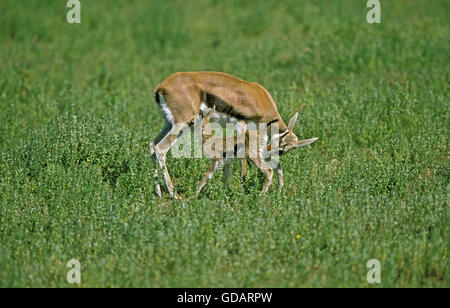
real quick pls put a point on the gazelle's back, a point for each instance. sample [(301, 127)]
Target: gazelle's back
[(184, 93)]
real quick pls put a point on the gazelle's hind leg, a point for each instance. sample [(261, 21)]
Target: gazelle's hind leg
[(161, 150), (241, 128), (164, 131)]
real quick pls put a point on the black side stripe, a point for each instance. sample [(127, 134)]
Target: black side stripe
[(271, 122)]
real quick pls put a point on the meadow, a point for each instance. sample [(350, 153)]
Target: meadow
[(77, 113)]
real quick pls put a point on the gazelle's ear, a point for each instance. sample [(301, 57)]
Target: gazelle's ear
[(210, 113), (280, 135), (302, 143), (292, 122)]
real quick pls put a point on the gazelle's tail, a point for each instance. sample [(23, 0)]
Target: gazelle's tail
[(159, 91)]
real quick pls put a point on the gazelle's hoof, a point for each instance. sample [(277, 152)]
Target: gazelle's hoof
[(158, 191)]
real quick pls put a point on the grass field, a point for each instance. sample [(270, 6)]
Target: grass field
[(77, 113)]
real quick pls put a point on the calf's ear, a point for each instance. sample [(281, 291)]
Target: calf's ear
[(292, 122), (210, 113)]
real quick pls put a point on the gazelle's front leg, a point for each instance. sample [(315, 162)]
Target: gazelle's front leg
[(226, 171), (243, 169), (215, 163), (279, 171), (268, 172)]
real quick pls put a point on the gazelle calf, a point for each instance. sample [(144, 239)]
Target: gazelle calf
[(181, 96), (256, 153)]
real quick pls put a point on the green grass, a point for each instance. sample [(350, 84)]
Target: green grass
[(77, 113)]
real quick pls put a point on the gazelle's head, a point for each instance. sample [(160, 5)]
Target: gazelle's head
[(288, 140)]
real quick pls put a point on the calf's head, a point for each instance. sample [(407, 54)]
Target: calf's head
[(288, 140)]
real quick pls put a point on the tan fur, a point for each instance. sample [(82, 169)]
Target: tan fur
[(249, 101)]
